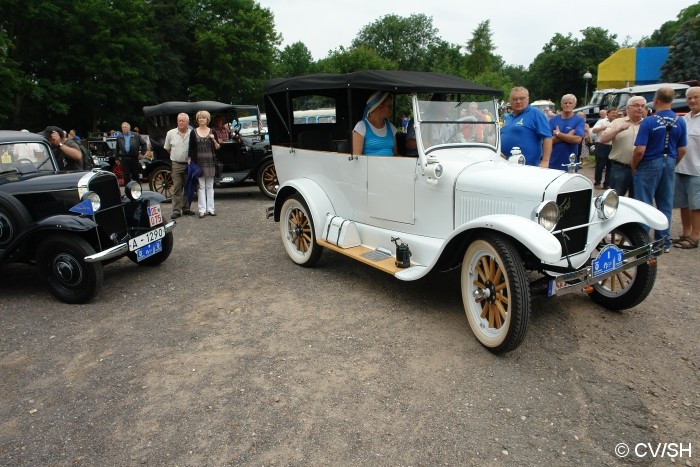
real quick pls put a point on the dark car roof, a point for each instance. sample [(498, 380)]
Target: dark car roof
[(176, 107), (382, 80), (9, 136)]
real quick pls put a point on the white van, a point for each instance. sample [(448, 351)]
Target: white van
[(620, 97)]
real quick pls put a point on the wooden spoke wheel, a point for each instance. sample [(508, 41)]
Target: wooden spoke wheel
[(298, 233), (495, 293), (628, 288), (267, 179)]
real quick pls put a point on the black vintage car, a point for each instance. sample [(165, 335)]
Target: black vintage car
[(243, 158), (69, 224)]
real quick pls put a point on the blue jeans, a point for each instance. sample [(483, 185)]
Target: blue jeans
[(652, 182), (620, 179)]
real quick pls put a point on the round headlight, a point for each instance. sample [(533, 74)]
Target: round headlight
[(438, 170), (547, 214), (607, 204), (94, 199), (133, 190)]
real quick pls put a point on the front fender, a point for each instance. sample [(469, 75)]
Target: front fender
[(152, 196), (631, 210), (535, 237), (316, 199), (66, 222)]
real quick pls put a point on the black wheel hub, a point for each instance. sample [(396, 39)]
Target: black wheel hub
[(490, 286), (67, 269)]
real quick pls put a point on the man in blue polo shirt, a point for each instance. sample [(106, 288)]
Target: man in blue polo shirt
[(659, 146), (527, 129), (567, 131)]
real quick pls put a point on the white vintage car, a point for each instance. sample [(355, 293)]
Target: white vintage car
[(458, 202)]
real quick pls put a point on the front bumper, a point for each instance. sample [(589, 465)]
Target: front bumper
[(577, 280), (121, 249)]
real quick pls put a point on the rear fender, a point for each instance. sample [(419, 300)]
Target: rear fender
[(316, 199)]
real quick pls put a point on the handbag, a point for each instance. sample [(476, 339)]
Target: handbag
[(219, 168)]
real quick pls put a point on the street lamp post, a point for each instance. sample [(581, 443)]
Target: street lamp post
[(587, 76)]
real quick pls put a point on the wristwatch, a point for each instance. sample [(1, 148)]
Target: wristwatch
[(557, 133)]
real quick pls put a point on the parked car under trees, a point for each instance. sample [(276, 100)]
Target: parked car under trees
[(243, 157), (70, 224), (510, 228)]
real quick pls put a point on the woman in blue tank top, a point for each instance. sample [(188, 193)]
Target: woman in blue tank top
[(375, 135)]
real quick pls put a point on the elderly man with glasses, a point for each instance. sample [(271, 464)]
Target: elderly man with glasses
[(526, 128)]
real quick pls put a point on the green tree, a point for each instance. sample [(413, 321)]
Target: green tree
[(174, 33), (354, 59), (480, 51), (444, 57), (683, 61), (559, 68), (664, 35), (233, 51), (404, 41), (294, 60)]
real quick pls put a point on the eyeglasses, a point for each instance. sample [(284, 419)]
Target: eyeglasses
[(518, 99)]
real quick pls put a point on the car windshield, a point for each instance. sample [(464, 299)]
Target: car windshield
[(25, 157), (471, 122)]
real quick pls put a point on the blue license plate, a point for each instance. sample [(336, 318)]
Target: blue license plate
[(149, 250), (610, 258)]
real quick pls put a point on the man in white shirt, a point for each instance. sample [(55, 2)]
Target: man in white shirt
[(602, 150), (687, 183), (177, 142)]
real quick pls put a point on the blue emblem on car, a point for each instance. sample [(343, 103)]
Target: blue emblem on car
[(84, 207)]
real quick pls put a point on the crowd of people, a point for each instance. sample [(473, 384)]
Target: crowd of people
[(652, 158)]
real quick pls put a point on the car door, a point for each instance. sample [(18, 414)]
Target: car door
[(391, 188)]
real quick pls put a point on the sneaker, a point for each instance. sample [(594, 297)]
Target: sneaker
[(211, 214), (175, 215), (188, 212), (201, 215)]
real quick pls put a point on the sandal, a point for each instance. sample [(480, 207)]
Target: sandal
[(687, 244), (680, 239)]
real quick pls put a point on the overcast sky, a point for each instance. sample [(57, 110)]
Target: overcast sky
[(520, 29)]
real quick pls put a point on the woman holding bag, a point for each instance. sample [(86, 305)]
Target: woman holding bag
[(203, 146)]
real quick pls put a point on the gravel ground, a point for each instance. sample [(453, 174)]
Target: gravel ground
[(229, 354)]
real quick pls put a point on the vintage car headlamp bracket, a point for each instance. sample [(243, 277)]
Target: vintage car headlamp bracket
[(133, 190), (433, 169), (607, 203), (547, 214)]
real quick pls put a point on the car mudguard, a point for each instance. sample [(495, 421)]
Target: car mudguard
[(316, 199), (630, 210), (532, 235)]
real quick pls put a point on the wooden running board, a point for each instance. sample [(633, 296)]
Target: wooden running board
[(387, 265)]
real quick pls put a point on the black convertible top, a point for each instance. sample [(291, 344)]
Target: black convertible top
[(12, 136), (176, 107), (382, 80)]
